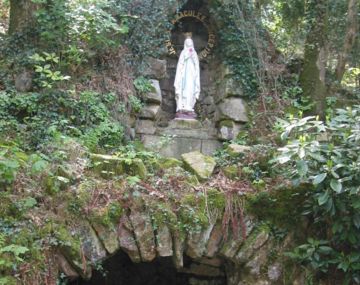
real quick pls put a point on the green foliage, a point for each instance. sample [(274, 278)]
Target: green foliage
[(36, 118), (325, 156), (149, 27), (238, 48), (143, 85), (135, 103), (45, 67), (79, 23), (10, 257)]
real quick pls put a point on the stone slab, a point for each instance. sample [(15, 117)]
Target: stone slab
[(180, 145)]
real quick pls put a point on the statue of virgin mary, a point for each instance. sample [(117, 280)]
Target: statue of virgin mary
[(187, 81)]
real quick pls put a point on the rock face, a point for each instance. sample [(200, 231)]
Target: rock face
[(229, 130), (149, 112), (232, 109), (205, 255), (154, 68), (154, 96), (201, 165), (145, 127)]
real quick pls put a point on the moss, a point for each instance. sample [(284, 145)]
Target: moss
[(215, 199), (166, 163), (231, 171), (138, 168), (108, 216), (162, 214), (226, 123), (280, 207)]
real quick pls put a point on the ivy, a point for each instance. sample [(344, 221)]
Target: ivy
[(238, 48)]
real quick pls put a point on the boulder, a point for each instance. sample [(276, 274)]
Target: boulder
[(154, 96), (235, 150), (154, 68), (201, 165), (107, 165), (138, 168), (229, 130), (145, 127), (232, 109), (149, 112)]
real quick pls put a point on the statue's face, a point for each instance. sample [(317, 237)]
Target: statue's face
[(189, 43)]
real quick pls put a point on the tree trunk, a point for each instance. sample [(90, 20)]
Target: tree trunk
[(310, 81), (22, 15), (351, 32)]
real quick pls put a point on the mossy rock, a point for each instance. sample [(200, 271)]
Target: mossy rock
[(236, 150), (107, 165), (201, 165), (231, 171), (166, 163), (138, 168)]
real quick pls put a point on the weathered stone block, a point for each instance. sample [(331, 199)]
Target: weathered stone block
[(232, 109), (107, 165), (184, 124), (145, 127), (197, 241), (144, 235), (155, 95), (164, 241), (174, 148), (229, 130), (201, 165), (127, 240), (108, 236), (232, 88), (91, 245), (149, 112), (235, 150)]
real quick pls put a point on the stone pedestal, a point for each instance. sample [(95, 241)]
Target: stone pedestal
[(182, 136)]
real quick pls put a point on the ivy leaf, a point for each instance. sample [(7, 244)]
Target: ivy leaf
[(336, 185), (302, 167), (319, 178), (323, 198)]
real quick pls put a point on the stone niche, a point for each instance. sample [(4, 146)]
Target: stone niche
[(221, 109)]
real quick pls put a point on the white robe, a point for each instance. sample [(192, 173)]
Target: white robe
[(187, 80)]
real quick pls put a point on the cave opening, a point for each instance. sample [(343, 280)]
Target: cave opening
[(120, 270)]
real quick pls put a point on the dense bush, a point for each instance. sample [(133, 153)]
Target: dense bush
[(33, 118), (325, 156)]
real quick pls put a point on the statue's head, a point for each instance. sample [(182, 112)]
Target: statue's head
[(189, 43)]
